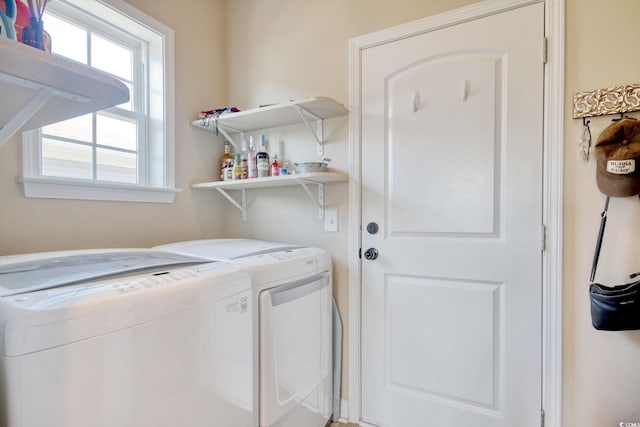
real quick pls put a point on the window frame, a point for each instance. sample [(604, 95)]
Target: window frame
[(158, 178)]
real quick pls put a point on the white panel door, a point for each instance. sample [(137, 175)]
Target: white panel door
[(452, 175)]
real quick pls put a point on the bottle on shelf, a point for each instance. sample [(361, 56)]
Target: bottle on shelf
[(262, 159), (275, 167), (244, 156), (226, 161), (237, 167), (286, 168), (251, 160), (245, 168)]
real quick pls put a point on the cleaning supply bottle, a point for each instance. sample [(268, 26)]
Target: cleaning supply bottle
[(262, 159), (245, 168), (226, 161), (275, 167), (251, 159), (244, 159), (237, 167)]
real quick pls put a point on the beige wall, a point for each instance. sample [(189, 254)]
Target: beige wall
[(601, 369), (278, 50), (292, 49), (29, 225)]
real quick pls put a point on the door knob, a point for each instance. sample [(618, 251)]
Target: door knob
[(371, 254)]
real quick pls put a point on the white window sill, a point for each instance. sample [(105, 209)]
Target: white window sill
[(61, 188)]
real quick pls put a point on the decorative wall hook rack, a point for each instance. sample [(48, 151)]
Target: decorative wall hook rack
[(602, 102)]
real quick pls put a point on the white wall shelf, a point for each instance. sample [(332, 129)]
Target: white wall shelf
[(303, 179), (310, 111), (38, 89)]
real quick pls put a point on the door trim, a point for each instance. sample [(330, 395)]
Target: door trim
[(552, 194)]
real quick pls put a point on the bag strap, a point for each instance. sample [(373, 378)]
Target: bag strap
[(596, 254)]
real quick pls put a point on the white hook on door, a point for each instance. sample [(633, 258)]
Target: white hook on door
[(415, 101), (465, 91)]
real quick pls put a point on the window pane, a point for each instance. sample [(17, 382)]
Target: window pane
[(78, 128), (116, 166), (66, 39), (116, 132), (124, 144), (66, 159), (110, 57)]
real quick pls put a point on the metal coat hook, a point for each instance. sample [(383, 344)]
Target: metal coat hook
[(584, 143), (617, 119)]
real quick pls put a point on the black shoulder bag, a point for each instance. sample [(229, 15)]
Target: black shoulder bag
[(613, 308)]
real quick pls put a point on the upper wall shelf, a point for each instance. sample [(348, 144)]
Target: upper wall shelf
[(38, 89), (306, 111)]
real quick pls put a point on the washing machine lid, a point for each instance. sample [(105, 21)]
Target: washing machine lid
[(32, 272), (226, 249), (268, 263)]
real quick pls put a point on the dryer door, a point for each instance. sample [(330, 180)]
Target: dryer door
[(295, 353)]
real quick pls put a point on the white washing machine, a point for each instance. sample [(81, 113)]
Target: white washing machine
[(292, 302), (124, 338)]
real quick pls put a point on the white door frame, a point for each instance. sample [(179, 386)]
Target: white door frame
[(552, 195)]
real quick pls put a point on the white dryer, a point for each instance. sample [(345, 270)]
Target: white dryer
[(124, 338), (292, 303)]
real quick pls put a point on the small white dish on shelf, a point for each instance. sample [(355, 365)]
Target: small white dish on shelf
[(306, 167)]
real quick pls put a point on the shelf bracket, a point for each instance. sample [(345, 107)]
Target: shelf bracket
[(224, 132), (44, 94), (319, 200), (318, 132), (242, 206)]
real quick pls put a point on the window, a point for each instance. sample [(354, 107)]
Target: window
[(122, 153)]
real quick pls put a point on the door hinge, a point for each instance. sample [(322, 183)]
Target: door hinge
[(545, 50), (543, 237), (542, 418)]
